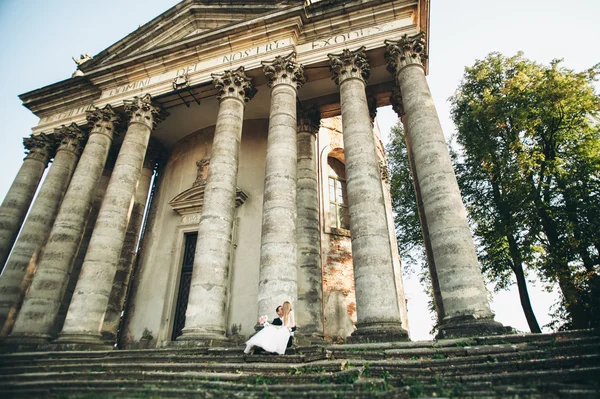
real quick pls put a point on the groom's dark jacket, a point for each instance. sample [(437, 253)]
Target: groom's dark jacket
[(278, 322)]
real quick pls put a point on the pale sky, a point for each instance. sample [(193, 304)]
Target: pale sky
[(39, 37)]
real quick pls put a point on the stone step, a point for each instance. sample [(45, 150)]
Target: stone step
[(293, 376), (376, 351), (170, 358), (244, 386), (442, 371), (196, 351), (335, 365)]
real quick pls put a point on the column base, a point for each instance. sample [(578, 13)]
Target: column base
[(81, 341), (26, 343), (200, 338), (469, 326), (378, 332)]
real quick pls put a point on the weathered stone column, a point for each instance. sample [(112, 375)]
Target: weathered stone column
[(88, 305), (278, 278), (205, 318), (376, 298), (309, 312), (465, 306), (16, 203), (42, 303), (396, 101), (23, 261), (129, 251)]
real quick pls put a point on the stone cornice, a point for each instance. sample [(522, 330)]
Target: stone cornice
[(213, 51)]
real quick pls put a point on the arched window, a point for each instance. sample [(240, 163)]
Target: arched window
[(339, 216)]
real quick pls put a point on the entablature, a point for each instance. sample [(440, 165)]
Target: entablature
[(110, 79)]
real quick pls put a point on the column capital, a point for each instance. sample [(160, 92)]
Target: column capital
[(349, 64), (284, 70), (409, 50), (372, 104), (40, 147), (234, 84), (143, 110), (309, 119), (396, 101), (71, 137), (103, 121)]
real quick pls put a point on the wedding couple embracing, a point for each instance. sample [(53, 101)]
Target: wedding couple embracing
[(276, 336)]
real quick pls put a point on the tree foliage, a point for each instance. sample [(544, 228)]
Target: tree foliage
[(529, 171)]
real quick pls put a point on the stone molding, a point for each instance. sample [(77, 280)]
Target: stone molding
[(103, 121), (191, 201), (40, 147), (409, 50), (309, 119), (72, 138), (349, 64), (284, 70), (143, 110), (234, 84)]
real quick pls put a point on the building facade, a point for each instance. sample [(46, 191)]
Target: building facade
[(222, 159)]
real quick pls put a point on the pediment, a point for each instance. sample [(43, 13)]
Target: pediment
[(191, 200), (182, 22)]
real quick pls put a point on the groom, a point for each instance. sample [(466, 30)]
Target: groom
[(278, 321)]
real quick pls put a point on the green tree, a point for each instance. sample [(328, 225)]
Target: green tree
[(529, 171)]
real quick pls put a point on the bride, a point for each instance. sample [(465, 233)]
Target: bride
[(274, 338)]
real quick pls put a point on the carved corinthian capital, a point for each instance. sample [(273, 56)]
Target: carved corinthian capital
[(406, 51), (40, 147), (284, 70), (71, 137), (235, 84), (309, 119), (103, 121), (143, 110), (349, 64), (396, 101)]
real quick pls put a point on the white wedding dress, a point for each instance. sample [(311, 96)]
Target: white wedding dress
[(271, 338)]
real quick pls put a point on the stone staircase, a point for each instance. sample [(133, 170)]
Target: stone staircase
[(562, 365)]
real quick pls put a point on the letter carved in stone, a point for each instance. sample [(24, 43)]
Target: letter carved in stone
[(234, 84), (349, 64), (409, 50), (284, 70)]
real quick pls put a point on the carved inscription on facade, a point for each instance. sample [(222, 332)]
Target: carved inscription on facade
[(353, 34), (202, 65), (190, 219)]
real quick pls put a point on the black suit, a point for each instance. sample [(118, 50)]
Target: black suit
[(278, 322)]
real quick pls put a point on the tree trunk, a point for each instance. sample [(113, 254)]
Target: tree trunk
[(524, 297)]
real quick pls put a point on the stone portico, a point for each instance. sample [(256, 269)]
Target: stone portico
[(246, 170)]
